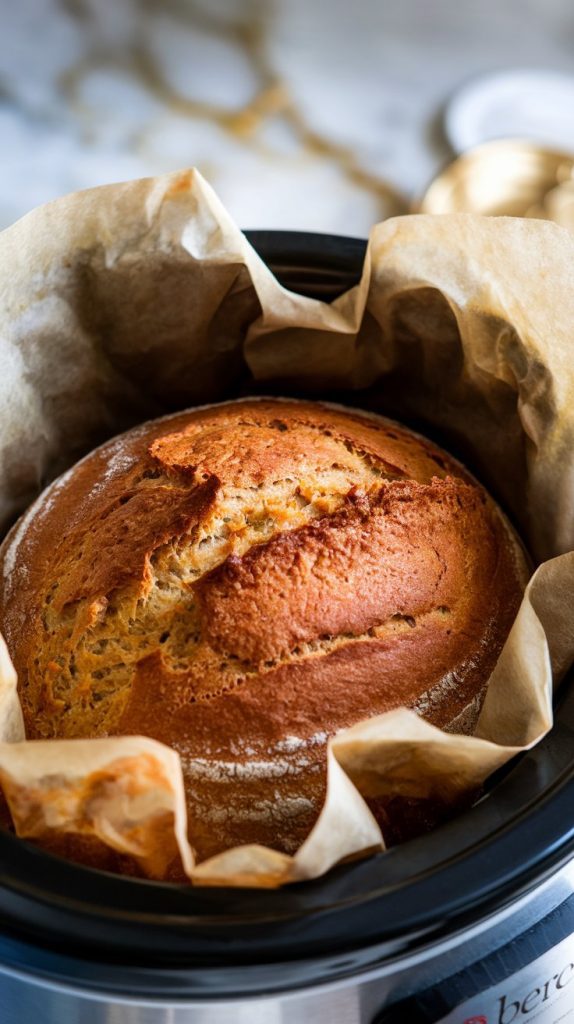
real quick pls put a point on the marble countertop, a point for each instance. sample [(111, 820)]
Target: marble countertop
[(320, 115)]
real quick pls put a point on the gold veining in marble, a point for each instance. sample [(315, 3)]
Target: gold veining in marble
[(247, 30)]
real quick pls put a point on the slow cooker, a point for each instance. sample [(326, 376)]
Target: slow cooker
[(471, 924)]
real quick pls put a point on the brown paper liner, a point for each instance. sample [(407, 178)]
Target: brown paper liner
[(130, 300)]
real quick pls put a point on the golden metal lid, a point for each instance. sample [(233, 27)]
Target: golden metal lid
[(506, 177)]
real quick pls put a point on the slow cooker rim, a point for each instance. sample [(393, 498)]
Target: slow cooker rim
[(257, 976)]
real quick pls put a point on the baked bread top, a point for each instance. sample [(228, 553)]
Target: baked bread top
[(241, 582)]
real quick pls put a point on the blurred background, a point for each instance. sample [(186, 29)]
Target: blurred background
[(316, 115)]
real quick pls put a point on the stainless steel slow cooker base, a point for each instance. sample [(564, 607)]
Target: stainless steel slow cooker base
[(355, 1000)]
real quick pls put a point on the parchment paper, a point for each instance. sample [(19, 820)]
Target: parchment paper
[(124, 302)]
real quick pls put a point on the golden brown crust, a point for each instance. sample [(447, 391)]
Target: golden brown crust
[(243, 581), (398, 552)]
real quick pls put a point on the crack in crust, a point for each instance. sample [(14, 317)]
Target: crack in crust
[(231, 576), (387, 552)]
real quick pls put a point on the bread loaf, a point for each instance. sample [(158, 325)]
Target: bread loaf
[(243, 581)]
